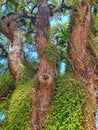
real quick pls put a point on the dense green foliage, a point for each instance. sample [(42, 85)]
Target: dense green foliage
[(20, 108), (67, 105), (22, 99), (7, 84), (52, 53)]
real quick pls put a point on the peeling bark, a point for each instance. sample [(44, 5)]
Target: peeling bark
[(15, 53), (45, 81), (81, 54)]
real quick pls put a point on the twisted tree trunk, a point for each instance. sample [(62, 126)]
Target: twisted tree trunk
[(45, 81), (15, 52), (82, 56)]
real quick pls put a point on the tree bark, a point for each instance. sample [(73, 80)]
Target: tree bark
[(45, 81), (82, 56), (10, 29), (15, 52)]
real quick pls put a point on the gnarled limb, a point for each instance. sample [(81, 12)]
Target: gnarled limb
[(15, 53), (10, 28)]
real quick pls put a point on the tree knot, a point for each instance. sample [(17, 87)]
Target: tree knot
[(45, 79)]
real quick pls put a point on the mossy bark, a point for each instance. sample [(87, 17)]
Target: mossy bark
[(45, 81), (82, 56)]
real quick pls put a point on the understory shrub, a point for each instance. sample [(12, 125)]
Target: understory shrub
[(67, 105)]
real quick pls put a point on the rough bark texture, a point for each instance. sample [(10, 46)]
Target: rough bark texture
[(15, 53), (82, 56), (45, 81)]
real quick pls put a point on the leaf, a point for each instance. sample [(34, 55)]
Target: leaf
[(1, 2)]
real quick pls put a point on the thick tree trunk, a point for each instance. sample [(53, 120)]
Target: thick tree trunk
[(45, 81), (15, 53), (81, 54)]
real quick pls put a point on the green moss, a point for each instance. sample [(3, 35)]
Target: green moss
[(20, 108), (52, 52), (67, 105), (95, 48), (94, 40), (21, 102)]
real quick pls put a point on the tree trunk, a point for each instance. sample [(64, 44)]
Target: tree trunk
[(45, 81), (15, 53), (82, 56)]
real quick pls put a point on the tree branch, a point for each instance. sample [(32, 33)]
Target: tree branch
[(21, 15), (21, 22), (33, 8), (6, 22), (62, 1), (60, 8), (29, 31)]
